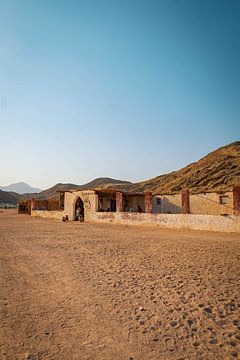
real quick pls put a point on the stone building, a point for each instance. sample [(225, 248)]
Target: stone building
[(208, 211), (105, 200), (101, 200)]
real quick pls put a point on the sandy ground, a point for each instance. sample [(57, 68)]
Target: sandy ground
[(94, 291)]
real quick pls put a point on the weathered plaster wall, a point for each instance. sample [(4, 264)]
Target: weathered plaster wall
[(205, 204), (229, 223), (209, 203), (167, 204)]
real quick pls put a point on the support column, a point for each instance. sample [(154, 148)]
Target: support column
[(148, 202), (185, 202), (32, 205), (119, 201), (95, 203), (236, 200)]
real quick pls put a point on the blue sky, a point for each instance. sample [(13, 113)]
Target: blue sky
[(125, 89)]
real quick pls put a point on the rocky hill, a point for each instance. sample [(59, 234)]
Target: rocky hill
[(104, 183), (97, 183), (218, 171), (9, 197)]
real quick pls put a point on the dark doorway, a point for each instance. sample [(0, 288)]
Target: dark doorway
[(79, 210), (113, 205)]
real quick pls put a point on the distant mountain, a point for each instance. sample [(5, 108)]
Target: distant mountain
[(217, 171), (20, 188)]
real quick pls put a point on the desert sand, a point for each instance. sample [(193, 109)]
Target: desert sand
[(94, 291)]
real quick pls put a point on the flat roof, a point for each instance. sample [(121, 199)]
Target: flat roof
[(104, 191)]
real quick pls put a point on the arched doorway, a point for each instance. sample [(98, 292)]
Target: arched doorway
[(79, 209)]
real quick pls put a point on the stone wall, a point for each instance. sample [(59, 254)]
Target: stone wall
[(228, 223), (48, 214)]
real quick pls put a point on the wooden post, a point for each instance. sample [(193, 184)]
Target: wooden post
[(185, 202)]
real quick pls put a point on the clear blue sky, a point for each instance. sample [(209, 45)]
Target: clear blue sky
[(129, 89)]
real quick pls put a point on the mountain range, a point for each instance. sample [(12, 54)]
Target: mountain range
[(20, 188), (218, 171)]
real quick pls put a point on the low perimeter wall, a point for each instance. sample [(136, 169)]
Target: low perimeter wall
[(228, 223), (54, 214)]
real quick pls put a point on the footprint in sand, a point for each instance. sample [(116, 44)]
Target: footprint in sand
[(173, 323)]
